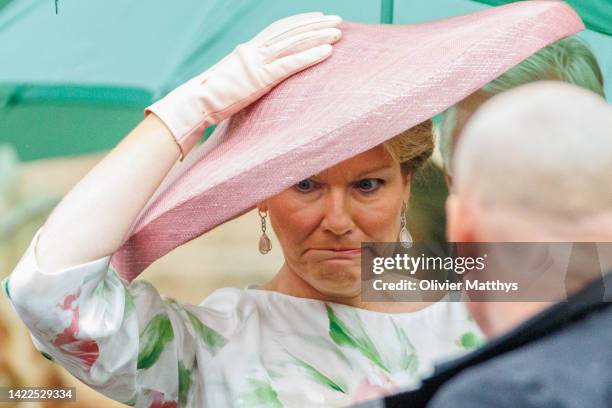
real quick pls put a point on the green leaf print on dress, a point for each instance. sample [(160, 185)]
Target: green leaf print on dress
[(47, 356), (318, 376), (129, 303), (5, 282), (209, 336), (184, 383), (471, 340), (155, 336), (342, 336), (399, 353), (261, 395), (408, 360)]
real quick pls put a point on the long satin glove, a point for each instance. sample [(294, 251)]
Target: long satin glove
[(283, 48)]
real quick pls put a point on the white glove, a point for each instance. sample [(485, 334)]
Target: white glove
[(283, 48)]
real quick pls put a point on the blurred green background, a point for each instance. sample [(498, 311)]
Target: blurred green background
[(77, 81)]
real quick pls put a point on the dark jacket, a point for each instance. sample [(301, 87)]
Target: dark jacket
[(561, 357)]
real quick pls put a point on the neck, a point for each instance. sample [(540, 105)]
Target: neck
[(288, 282), (504, 316), (501, 317)]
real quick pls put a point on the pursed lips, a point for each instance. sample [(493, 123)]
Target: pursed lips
[(341, 251)]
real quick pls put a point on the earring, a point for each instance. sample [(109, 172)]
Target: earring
[(404, 236), (265, 245)]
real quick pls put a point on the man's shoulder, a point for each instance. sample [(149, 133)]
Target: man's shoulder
[(571, 367)]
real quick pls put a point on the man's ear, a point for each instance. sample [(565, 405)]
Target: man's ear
[(459, 224)]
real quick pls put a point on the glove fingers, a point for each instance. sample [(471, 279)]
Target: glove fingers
[(296, 17), (289, 65), (282, 24), (301, 42), (302, 26)]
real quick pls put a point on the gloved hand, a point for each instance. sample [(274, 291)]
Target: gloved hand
[(283, 48)]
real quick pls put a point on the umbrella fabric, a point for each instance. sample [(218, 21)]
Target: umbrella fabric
[(76, 81)]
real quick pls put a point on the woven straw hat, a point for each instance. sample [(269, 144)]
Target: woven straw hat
[(379, 81)]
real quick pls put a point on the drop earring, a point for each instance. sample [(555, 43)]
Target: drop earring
[(265, 245), (404, 236)]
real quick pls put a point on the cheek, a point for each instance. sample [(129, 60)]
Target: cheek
[(293, 220), (380, 219)]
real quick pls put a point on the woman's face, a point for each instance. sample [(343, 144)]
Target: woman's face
[(321, 221)]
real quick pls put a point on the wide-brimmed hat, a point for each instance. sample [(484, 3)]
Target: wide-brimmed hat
[(379, 81)]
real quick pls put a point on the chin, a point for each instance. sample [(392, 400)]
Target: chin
[(338, 280)]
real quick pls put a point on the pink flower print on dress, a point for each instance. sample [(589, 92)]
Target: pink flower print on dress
[(158, 401), (85, 350), (366, 390)]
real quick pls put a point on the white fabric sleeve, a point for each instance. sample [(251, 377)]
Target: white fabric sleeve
[(122, 339)]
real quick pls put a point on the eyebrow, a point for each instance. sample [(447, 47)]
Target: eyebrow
[(362, 173), (384, 167)]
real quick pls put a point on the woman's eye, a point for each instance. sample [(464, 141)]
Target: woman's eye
[(305, 185), (369, 185)]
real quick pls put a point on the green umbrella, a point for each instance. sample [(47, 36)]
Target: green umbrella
[(77, 81), (595, 14)]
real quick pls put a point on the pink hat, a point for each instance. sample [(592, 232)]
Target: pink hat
[(379, 81)]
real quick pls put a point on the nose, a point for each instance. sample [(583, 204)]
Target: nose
[(337, 217)]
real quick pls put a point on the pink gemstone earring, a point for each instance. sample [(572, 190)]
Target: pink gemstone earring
[(265, 245), (404, 236)]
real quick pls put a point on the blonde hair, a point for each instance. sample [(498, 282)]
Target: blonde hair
[(567, 60), (412, 147)]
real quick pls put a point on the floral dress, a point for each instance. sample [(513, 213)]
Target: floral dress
[(238, 348)]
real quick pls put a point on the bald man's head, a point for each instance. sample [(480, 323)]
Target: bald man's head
[(535, 163)]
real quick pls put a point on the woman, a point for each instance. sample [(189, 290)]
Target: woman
[(302, 339)]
